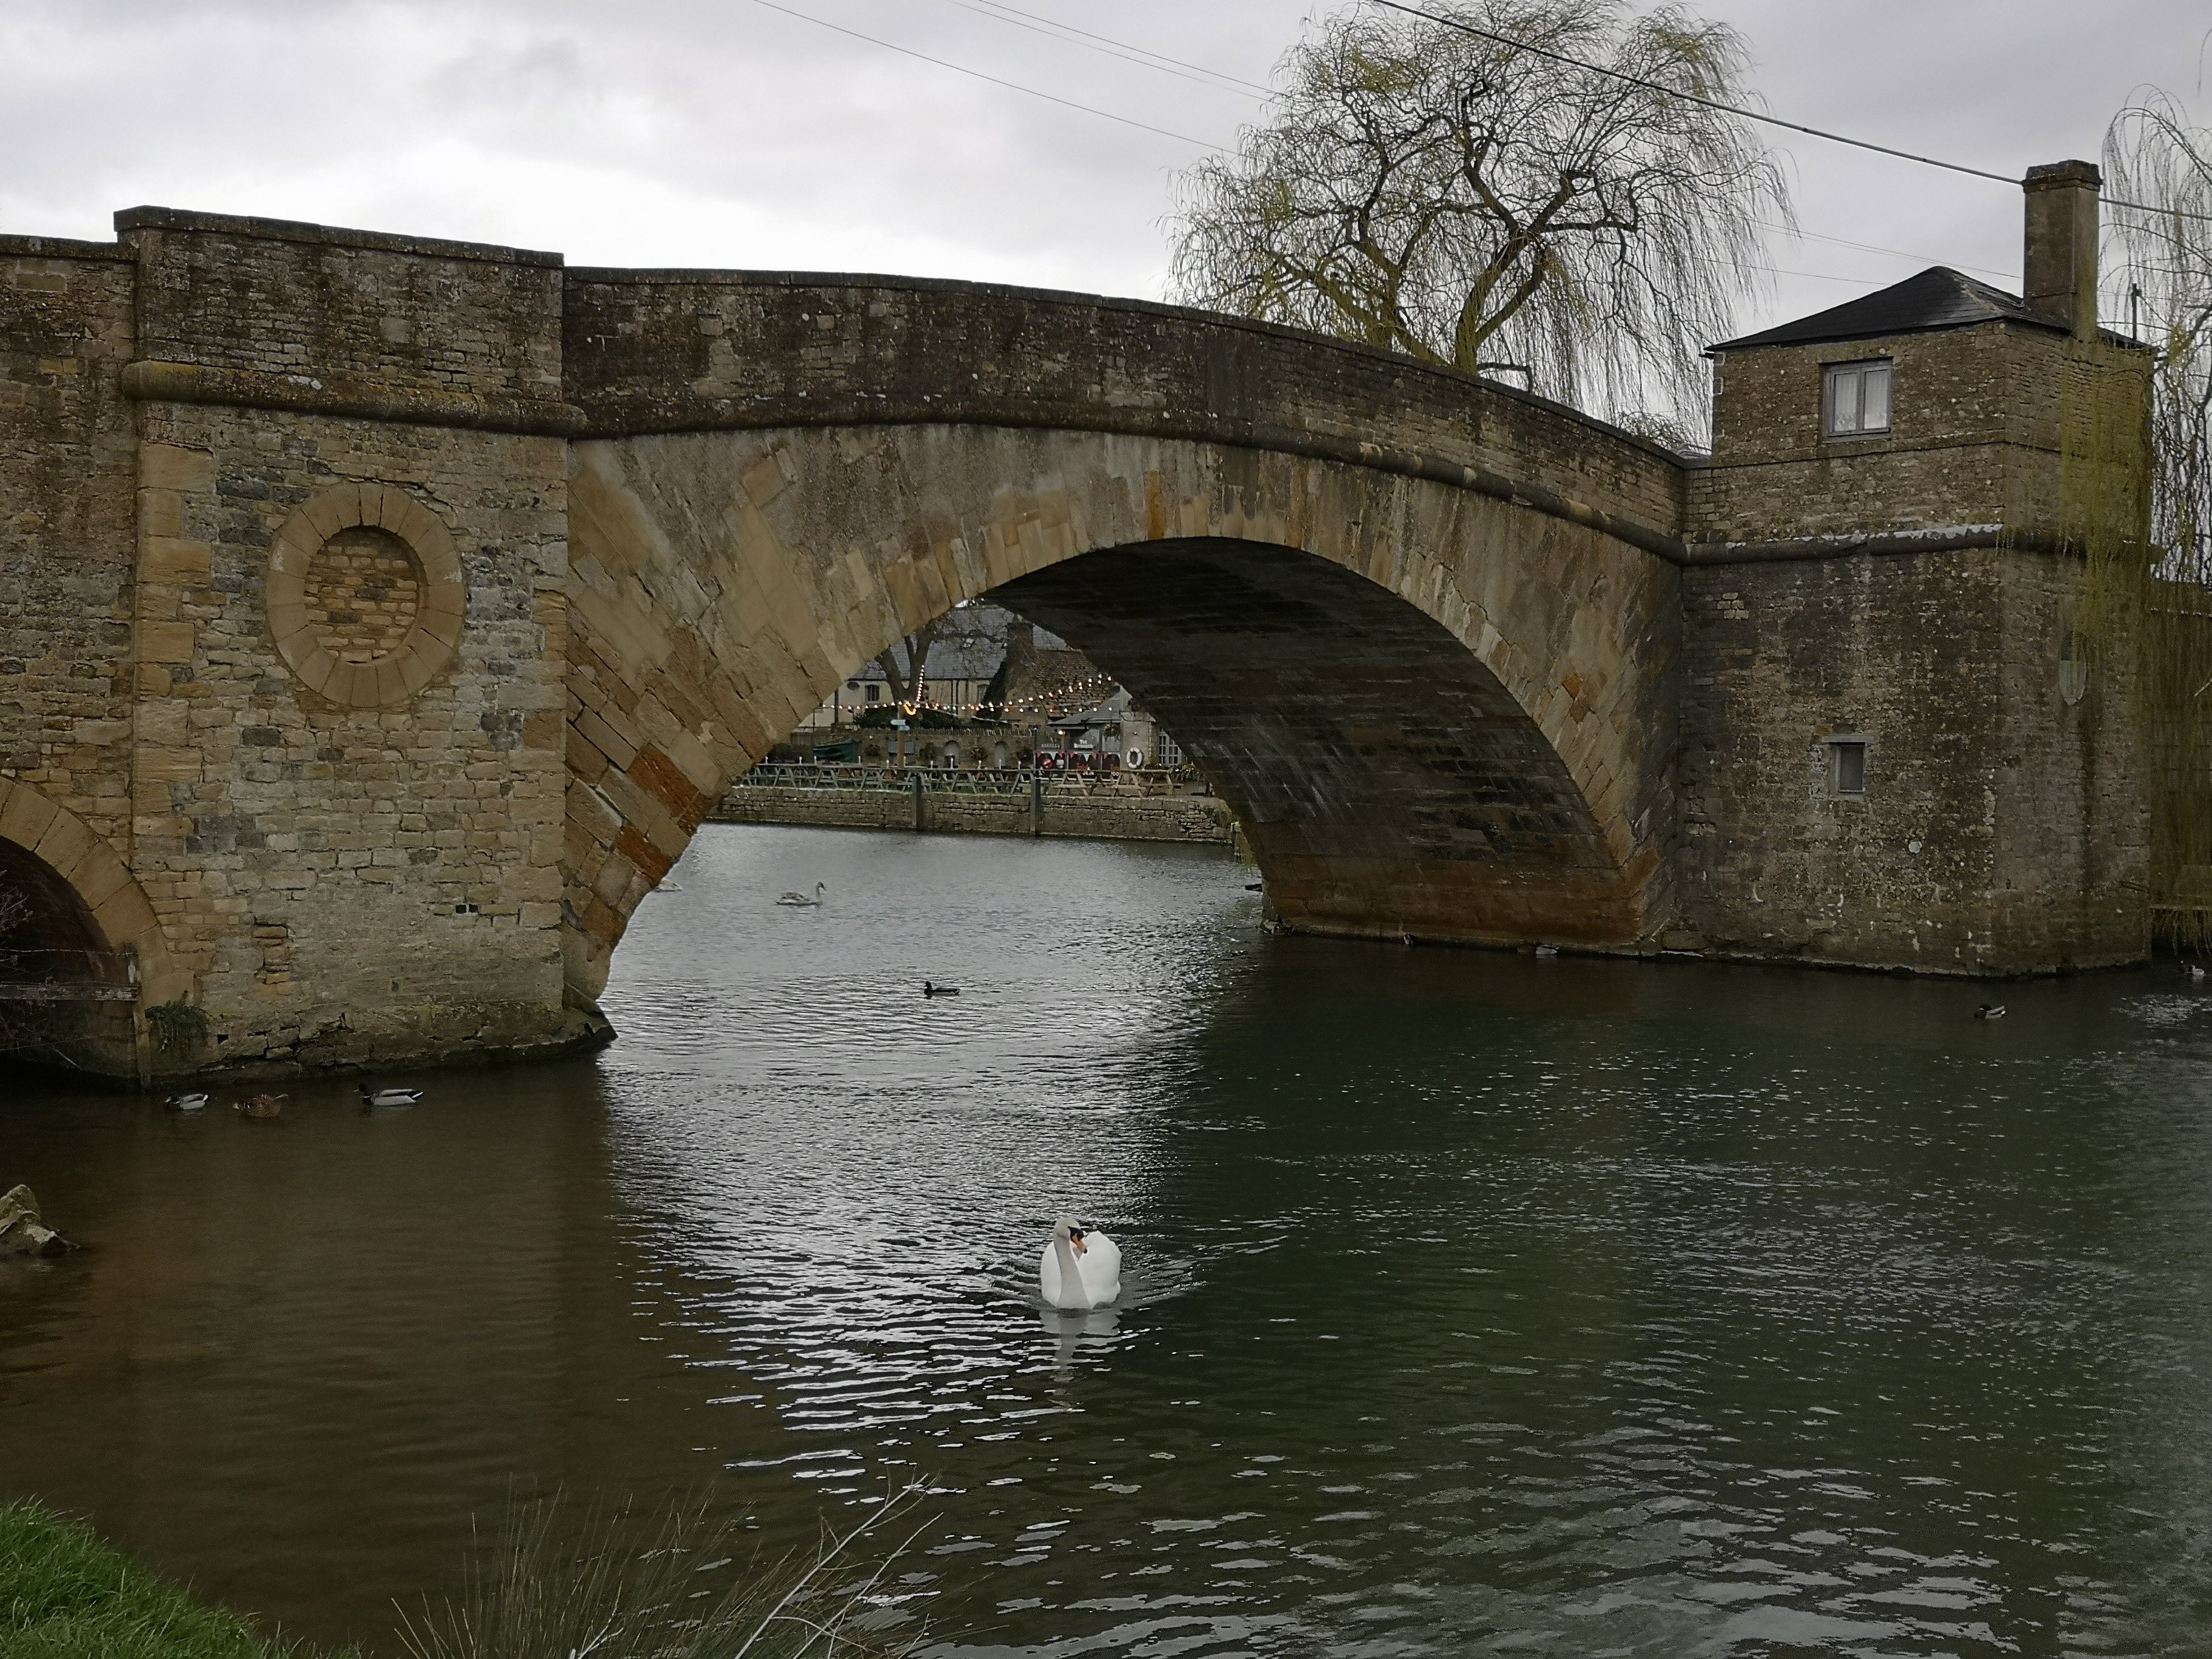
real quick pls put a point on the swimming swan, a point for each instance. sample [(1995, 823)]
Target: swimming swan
[(820, 888), (1079, 1269)]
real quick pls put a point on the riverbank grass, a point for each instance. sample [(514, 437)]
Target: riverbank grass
[(65, 1595)]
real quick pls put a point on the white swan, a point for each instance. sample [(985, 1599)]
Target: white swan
[(1079, 1269), (820, 888)]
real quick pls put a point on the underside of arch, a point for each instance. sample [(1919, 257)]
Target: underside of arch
[(1388, 782), (80, 946), (1438, 713)]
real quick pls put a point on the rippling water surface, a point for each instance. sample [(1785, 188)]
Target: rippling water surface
[(1472, 1303)]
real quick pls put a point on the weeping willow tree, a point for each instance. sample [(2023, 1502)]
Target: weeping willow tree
[(2154, 156), (1471, 200)]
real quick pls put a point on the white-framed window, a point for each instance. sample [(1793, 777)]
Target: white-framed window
[(1856, 398), (875, 692), (1847, 765)]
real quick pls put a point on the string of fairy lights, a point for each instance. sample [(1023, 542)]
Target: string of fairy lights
[(1063, 698)]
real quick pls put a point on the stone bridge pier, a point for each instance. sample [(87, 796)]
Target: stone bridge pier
[(381, 616)]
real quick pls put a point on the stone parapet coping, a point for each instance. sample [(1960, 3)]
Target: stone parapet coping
[(153, 381), (299, 230), (61, 248)]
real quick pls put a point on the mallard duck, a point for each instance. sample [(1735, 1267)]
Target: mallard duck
[(820, 888), (191, 1103), (1989, 1010), (389, 1097), (261, 1106), (930, 990)]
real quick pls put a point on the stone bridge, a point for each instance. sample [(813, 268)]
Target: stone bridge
[(383, 615)]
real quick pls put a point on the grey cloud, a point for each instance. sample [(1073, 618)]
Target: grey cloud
[(666, 132)]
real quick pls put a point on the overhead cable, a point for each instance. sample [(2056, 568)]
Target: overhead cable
[(961, 68), (1142, 55), (1688, 97), (1661, 88)]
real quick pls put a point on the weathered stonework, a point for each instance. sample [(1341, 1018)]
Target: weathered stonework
[(382, 616)]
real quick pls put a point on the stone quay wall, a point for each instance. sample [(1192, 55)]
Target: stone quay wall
[(1077, 814)]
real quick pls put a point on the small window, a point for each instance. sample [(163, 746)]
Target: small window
[(1847, 765), (875, 692), (1857, 398)]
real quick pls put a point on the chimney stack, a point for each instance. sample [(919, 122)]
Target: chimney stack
[(2060, 270)]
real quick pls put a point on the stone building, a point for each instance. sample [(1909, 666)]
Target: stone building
[(1912, 734)]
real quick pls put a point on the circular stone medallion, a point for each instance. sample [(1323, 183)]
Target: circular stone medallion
[(365, 596)]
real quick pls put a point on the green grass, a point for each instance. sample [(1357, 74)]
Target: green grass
[(613, 1586), (65, 1595)]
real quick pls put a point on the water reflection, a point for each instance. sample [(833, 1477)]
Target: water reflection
[(1471, 1303)]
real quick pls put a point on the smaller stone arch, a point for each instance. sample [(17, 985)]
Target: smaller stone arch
[(61, 850), (383, 660)]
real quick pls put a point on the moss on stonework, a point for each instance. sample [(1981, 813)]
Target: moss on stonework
[(65, 1595)]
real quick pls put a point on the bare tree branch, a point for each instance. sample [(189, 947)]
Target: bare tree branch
[(1436, 193)]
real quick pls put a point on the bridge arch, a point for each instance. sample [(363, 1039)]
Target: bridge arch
[(1466, 730), (83, 925)]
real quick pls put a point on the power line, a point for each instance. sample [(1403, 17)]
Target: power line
[(1871, 248), (1690, 97), (1012, 86), (1141, 56), (1746, 114)]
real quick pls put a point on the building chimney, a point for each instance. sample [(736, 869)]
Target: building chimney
[(2061, 265)]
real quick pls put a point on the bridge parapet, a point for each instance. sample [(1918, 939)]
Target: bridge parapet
[(649, 351)]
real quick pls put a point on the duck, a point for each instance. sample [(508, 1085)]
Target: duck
[(2195, 972), (820, 888), (261, 1106), (1989, 1010), (930, 990), (191, 1103), (1080, 1268), (389, 1097)]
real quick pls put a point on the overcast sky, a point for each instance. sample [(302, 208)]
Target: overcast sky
[(731, 133)]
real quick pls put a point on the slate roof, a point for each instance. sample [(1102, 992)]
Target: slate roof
[(1938, 298)]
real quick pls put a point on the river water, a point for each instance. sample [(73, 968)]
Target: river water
[(1474, 1302)]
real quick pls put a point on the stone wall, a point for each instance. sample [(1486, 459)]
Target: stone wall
[(690, 351), (68, 526), (1078, 814), (345, 879), (2000, 831)]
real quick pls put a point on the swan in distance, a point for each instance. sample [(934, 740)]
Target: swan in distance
[(1079, 1269), (820, 888)]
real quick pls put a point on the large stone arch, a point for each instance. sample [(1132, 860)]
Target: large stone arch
[(722, 583)]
